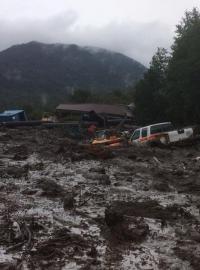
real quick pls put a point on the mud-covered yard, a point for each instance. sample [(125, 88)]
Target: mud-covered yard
[(64, 208)]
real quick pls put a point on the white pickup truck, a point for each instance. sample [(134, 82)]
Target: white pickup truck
[(164, 133)]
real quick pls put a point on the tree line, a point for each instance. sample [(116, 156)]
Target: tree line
[(170, 89)]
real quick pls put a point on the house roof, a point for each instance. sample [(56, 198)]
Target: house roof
[(120, 110), (11, 112)]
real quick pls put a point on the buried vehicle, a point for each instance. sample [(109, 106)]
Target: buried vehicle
[(109, 138), (164, 133)]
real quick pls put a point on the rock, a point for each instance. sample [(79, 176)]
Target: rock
[(100, 170), (93, 176), (134, 229), (50, 187), (38, 166), (129, 179), (161, 186), (188, 252), (132, 156), (179, 172), (93, 252), (122, 175), (117, 184), (16, 172), (126, 228), (112, 216), (139, 159), (149, 209), (8, 266), (29, 191), (20, 157), (68, 201), (19, 150), (2, 186), (195, 236), (105, 180)]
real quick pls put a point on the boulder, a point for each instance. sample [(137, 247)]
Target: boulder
[(68, 201), (50, 187), (161, 186), (127, 228), (100, 170)]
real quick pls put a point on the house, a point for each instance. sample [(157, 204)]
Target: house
[(104, 109), (13, 116), (100, 113)]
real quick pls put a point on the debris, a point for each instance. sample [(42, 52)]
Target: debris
[(157, 161), (108, 138), (65, 205)]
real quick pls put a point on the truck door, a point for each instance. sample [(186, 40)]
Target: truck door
[(143, 135)]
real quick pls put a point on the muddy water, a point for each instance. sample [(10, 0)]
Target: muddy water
[(53, 199)]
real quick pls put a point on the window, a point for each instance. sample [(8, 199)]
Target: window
[(144, 132), (161, 128), (136, 135)]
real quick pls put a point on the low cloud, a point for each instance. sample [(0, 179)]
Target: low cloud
[(137, 40)]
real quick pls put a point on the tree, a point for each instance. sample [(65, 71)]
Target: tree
[(183, 80), (149, 99)]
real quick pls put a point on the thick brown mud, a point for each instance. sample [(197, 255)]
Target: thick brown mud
[(63, 207)]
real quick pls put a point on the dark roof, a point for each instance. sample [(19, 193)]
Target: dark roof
[(120, 110), (11, 112)]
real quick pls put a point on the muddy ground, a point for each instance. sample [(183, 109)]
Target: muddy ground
[(61, 207)]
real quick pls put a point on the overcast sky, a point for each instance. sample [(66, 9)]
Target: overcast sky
[(133, 27)]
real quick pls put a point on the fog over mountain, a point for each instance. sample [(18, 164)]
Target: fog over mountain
[(134, 28), (136, 40)]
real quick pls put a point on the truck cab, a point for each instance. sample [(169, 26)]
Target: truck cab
[(162, 132)]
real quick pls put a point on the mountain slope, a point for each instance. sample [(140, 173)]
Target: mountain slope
[(46, 73)]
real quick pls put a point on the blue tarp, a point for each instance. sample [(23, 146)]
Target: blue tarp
[(13, 115)]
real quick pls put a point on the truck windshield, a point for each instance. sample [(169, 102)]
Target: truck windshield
[(161, 128), (144, 132), (136, 135)]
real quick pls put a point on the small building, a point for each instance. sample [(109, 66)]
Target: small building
[(13, 116), (112, 110), (103, 114)]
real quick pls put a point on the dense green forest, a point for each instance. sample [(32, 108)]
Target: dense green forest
[(170, 89)]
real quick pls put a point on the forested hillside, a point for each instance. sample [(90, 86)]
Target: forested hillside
[(43, 75), (170, 89)]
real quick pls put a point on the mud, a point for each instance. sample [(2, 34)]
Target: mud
[(63, 206)]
